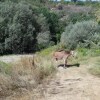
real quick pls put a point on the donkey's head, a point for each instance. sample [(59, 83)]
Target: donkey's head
[(73, 53)]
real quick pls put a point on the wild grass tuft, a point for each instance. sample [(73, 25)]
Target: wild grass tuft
[(95, 69)]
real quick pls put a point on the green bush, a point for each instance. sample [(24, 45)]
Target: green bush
[(82, 34), (53, 21), (21, 30), (43, 39)]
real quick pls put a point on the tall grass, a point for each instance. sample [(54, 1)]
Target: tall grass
[(27, 74), (34, 68)]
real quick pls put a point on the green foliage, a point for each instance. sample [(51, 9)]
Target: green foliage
[(28, 25), (6, 15), (82, 34), (19, 27), (43, 39), (53, 22), (26, 28)]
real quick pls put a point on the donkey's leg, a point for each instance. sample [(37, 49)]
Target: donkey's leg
[(64, 62), (56, 62)]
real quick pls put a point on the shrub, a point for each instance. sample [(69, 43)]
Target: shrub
[(53, 22), (82, 34), (43, 37), (43, 40)]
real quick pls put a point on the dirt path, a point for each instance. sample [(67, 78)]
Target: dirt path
[(74, 83)]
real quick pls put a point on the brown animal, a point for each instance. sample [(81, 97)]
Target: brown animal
[(59, 55)]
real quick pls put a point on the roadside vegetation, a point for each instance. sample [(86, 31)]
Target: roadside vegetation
[(24, 75)]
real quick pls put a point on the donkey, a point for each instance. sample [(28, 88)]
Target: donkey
[(59, 55)]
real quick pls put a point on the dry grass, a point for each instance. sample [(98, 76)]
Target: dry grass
[(26, 74), (95, 68)]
